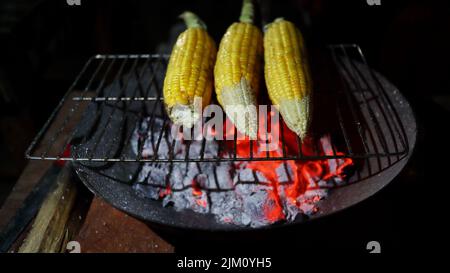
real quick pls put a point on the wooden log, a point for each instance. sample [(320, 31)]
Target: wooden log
[(37, 168), (49, 227)]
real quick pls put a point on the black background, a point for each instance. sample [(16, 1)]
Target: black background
[(45, 44)]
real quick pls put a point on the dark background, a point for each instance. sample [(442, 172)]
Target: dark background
[(43, 45)]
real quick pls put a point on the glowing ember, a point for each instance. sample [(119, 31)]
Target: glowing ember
[(66, 153), (305, 174), (165, 192), (201, 202), (253, 193), (273, 209), (196, 189)]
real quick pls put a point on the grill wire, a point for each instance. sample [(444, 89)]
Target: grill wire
[(139, 78)]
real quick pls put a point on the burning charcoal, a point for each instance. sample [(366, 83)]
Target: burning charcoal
[(324, 184), (146, 191), (186, 200), (254, 205), (284, 173), (202, 180), (307, 208), (244, 175), (167, 202), (153, 174), (222, 178), (224, 202), (236, 193), (339, 181), (292, 212), (245, 219)]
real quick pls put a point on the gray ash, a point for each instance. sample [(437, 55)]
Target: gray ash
[(230, 191)]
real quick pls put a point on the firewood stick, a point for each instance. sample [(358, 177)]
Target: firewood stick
[(49, 227)]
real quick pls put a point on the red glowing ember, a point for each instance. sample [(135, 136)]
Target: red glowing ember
[(196, 190), (305, 174), (278, 197), (66, 153), (201, 202), (166, 191)]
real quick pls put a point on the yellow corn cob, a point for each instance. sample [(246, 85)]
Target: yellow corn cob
[(189, 77), (287, 74), (237, 71)]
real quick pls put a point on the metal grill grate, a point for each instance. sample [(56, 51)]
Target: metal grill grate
[(113, 94)]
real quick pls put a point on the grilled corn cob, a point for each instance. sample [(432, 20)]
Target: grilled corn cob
[(189, 78), (287, 74), (237, 71)]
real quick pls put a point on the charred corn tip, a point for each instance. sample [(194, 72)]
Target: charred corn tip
[(240, 106), (192, 20)]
